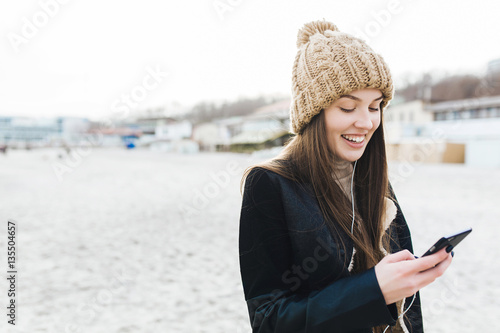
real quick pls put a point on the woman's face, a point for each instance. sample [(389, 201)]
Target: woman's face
[(351, 121)]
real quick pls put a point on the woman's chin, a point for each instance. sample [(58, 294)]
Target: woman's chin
[(351, 157)]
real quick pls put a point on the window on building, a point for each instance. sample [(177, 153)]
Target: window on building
[(491, 112), (440, 116)]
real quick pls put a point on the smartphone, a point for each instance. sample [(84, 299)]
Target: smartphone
[(451, 240)]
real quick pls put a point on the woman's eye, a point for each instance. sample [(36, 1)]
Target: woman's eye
[(373, 109), (347, 110)]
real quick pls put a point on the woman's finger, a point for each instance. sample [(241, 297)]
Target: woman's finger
[(428, 262), (431, 274), (400, 256)]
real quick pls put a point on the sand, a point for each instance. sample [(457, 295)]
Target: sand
[(140, 241)]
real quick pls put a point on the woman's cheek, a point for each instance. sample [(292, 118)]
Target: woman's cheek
[(376, 121)]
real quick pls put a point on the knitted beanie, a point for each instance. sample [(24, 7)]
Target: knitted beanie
[(328, 65)]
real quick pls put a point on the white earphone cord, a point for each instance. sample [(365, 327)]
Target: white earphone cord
[(401, 315), (352, 232)]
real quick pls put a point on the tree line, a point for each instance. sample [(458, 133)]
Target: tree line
[(451, 87)]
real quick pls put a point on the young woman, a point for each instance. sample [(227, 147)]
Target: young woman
[(324, 246)]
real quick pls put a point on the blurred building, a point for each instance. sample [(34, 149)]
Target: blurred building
[(494, 66), (462, 131), (165, 134), (20, 132), (156, 132), (474, 108), (475, 123), (172, 135), (266, 127), (172, 129), (215, 135), (115, 136), (406, 120)]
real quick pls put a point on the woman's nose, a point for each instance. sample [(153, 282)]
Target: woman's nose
[(364, 121)]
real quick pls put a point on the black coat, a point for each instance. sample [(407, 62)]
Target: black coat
[(295, 273)]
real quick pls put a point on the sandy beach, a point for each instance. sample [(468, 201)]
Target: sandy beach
[(139, 241)]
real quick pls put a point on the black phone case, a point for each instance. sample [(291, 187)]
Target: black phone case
[(452, 240)]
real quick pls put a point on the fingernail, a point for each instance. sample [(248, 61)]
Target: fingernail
[(449, 248), (452, 253)]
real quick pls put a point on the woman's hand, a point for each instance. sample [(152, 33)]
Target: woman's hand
[(400, 275)]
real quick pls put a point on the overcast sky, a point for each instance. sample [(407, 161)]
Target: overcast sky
[(94, 58)]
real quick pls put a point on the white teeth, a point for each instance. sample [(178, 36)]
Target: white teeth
[(356, 139)]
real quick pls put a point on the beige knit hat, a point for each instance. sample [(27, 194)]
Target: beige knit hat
[(329, 64)]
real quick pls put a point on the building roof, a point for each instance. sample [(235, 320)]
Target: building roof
[(465, 104)]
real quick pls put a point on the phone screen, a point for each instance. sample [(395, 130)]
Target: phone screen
[(451, 240)]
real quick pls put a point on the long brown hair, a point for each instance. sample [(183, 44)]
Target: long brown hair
[(307, 158)]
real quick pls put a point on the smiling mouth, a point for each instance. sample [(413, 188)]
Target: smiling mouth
[(355, 139)]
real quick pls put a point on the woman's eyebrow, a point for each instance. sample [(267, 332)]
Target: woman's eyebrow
[(358, 99)]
